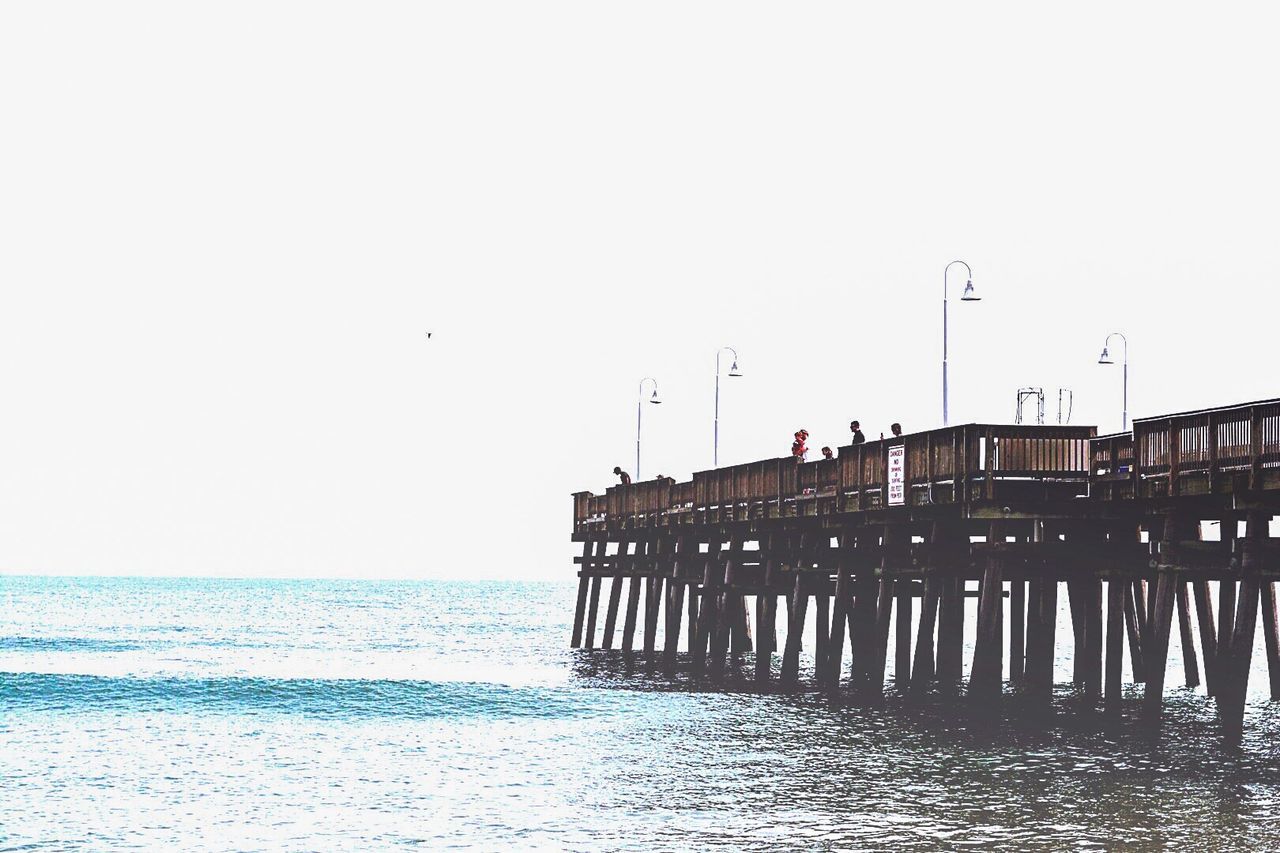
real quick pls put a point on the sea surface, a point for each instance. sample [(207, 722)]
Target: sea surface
[(197, 714)]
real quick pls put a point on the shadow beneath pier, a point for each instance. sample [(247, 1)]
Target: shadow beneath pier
[(1189, 722)]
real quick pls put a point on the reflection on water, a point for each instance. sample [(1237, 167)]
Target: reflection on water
[(939, 773), (325, 715)]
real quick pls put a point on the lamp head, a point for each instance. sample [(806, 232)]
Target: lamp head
[(969, 295), (1105, 358), (654, 399), (734, 371)]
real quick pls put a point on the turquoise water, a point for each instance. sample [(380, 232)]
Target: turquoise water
[(318, 715)]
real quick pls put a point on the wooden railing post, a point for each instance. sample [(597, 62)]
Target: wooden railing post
[(1213, 451), (1255, 447), (989, 485)]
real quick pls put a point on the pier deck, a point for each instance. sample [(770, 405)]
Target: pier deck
[(890, 534)]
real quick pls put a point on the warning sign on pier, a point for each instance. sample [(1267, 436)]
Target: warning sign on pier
[(897, 475)]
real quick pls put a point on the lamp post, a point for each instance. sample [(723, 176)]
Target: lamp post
[(639, 407), (1106, 358), (967, 296), (733, 371)]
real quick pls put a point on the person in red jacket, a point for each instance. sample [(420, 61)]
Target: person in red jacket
[(798, 450)]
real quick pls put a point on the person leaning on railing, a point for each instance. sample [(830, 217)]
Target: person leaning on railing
[(622, 475)]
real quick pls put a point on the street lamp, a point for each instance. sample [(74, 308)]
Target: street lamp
[(1106, 358), (733, 371), (639, 407), (967, 296)]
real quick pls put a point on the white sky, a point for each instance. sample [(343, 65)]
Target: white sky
[(224, 228)]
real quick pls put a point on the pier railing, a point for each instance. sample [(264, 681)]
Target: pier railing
[(962, 464), (1228, 449)]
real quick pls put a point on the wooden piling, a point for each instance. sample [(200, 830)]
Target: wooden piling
[(798, 604), (1157, 651), (884, 612), (652, 591), (584, 582), (592, 608), (1208, 635), (1226, 622), (633, 607), (1235, 686), (691, 623), (706, 617), (1141, 619), (765, 638), (821, 630), (1040, 655), (677, 586), (985, 676), (1116, 590), (1133, 627), (1271, 635), (740, 640), (1017, 629), (1035, 633), (902, 637), (676, 589), (772, 622), (719, 635), (1091, 595), (611, 615), (950, 651), (579, 611), (1189, 665), (922, 669), (863, 632), (830, 671), (1079, 656), (726, 603)]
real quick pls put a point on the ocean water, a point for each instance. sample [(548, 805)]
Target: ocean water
[(332, 715)]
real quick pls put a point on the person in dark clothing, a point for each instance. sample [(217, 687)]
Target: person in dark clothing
[(856, 429), (622, 475), (897, 430), (826, 453)]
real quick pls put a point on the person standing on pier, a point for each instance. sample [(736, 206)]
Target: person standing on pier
[(798, 450), (622, 475), (856, 429), (826, 453), (897, 430)]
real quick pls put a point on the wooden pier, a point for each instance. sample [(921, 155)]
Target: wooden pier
[(1021, 514)]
